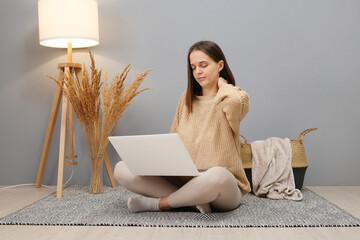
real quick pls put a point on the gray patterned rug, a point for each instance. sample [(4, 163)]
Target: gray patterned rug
[(78, 207)]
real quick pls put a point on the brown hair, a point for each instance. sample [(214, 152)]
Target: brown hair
[(215, 53)]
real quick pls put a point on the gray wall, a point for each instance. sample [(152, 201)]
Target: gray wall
[(298, 60)]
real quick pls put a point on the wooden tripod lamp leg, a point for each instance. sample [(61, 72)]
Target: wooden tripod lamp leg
[(49, 134), (71, 155), (62, 147), (109, 170)]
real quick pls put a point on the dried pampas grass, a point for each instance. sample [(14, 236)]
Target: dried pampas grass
[(87, 99)]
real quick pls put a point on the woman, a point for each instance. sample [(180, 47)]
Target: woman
[(207, 120)]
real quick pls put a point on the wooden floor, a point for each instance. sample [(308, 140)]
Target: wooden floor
[(13, 199)]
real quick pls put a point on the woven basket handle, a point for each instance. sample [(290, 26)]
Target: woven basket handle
[(244, 138), (303, 133)]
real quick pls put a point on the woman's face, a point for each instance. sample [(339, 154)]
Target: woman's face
[(205, 70)]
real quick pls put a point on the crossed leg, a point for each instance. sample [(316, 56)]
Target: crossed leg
[(217, 187), (156, 187)]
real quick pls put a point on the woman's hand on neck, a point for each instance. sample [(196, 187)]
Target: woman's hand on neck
[(221, 82)]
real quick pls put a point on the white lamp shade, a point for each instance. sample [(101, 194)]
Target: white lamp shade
[(68, 21)]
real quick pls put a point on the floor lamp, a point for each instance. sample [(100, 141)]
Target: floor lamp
[(66, 24)]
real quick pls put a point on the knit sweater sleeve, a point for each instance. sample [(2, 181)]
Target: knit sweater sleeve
[(179, 109), (235, 104)]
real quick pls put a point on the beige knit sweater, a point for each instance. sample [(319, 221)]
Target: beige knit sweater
[(211, 132)]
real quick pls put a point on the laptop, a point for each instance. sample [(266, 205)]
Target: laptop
[(155, 155)]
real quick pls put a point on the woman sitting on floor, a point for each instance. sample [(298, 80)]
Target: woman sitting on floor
[(207, 120)]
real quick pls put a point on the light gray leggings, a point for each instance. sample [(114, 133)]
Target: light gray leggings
[(216, 186)]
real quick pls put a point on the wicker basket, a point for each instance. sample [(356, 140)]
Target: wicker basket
[(298, 160)]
